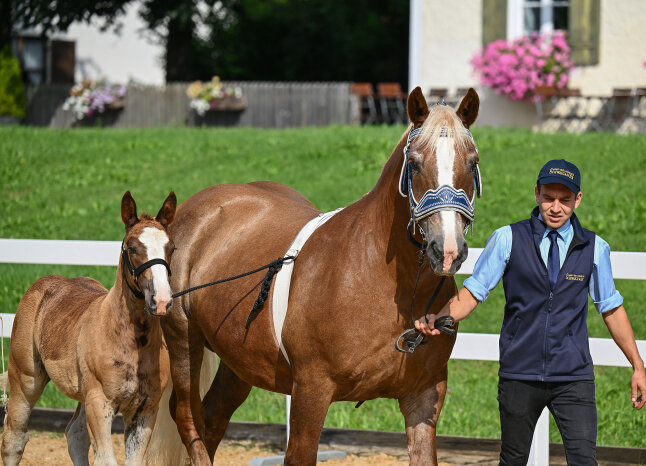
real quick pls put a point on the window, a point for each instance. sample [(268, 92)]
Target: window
[(542, 16), (510, 19)]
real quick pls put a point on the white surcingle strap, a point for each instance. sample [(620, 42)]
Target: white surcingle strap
[(280, 298)]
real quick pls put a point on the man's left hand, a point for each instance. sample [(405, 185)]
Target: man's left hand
[(638, 386)]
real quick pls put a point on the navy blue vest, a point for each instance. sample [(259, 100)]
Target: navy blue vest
[(544, 334)]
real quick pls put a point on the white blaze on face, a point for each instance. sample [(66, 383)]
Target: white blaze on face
[(154, 240), (445, 153)]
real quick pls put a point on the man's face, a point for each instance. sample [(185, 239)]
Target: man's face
[(556, 203)]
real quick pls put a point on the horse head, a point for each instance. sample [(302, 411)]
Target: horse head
[(146, 253), (441, 177)]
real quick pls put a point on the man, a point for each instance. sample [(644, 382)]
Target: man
[(548, 264)]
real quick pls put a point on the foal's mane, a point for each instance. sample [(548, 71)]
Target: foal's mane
[(442, 121)]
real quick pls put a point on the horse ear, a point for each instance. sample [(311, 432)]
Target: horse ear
[(417, 107), (166, 214), (128, 211), (468, 109)]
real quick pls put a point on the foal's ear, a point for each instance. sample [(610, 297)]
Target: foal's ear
[(417, 107), (468, 109), (166, 214), (128, 211)]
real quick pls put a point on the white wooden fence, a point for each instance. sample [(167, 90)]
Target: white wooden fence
[(471, 346)]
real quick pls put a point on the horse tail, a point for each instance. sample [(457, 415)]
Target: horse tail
[(165, 445), (4, 381)]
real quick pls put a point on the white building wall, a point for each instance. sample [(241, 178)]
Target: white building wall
[(451, 33), (129, 55), (622, 53)]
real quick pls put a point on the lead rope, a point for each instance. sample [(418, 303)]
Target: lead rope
[(413, 337)]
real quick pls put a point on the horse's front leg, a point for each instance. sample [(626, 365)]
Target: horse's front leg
[(186, 350), (139, 428), (310, 403), (99, 413), (421, 411)]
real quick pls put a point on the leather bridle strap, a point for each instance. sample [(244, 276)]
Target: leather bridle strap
[(134, 273)]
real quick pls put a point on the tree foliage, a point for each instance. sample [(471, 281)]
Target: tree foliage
[(310, 40), (299, 40)]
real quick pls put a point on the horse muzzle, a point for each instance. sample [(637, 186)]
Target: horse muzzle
[(446, 259), (156, 305)]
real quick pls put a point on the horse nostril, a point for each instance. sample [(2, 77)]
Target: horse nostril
[(170, 304), (436, 250)]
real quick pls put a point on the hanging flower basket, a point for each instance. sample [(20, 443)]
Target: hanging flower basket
[(214, 96), (519, 69), (90, 98)]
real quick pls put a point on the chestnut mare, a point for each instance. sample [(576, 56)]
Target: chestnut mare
[(102, 348), (350, 295)]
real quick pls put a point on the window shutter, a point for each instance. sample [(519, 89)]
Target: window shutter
[(494, 20), (63, 61), (583, 33)]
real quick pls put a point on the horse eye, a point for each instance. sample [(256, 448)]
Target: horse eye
[(414, 165), (132, 250)]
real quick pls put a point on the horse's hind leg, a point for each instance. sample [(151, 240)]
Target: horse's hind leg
[(25, 389), (226, 394), (78, 437), (421, 411)]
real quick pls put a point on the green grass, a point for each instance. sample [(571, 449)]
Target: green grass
[(67, 184)]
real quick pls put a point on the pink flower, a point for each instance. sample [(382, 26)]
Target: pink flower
[(514, 69)]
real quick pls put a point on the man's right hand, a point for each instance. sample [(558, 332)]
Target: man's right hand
[(426, 325)]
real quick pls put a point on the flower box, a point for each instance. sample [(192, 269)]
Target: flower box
[(90, 98)]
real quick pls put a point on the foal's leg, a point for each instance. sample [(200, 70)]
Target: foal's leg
[(99, 412), (226, 394), (310, 402), (421, 411), (186, 349), (26, 386), (139, 428), (78, 437)]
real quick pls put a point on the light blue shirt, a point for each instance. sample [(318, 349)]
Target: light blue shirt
[(491, 265)]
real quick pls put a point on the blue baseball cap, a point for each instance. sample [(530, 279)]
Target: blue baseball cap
[(561, 172)]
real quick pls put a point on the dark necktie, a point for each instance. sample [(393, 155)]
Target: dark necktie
[(553, 261)]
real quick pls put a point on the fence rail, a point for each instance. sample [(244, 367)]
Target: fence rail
[(269, 105), (468, 346)]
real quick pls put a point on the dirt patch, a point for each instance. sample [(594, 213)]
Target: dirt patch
[(51, 448)]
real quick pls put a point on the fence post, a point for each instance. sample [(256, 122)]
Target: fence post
[(539, 455)]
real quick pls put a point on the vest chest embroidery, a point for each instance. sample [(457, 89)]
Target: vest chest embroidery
[(574, 277)]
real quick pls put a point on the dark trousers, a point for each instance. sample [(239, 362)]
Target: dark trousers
[(574, 409)]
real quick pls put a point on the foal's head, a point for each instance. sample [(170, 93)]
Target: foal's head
[(443, 157), (146, 253)]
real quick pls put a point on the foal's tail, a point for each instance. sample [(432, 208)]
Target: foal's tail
[(4, 381), (166, 447)]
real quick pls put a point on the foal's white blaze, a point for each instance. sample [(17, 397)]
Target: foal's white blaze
[(155, 239), (445, 153)]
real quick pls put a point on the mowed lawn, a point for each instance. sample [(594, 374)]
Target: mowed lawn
[(67, 184)]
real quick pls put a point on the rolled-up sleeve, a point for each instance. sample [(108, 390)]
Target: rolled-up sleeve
[(602, 286), (491, 264)]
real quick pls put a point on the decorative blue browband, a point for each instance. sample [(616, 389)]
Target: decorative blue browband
[(443, 198)]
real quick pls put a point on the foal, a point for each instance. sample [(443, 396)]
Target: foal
[(102, 348)]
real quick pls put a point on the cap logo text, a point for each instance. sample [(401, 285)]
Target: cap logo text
[(561, 171)]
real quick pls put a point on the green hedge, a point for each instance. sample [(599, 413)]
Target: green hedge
[(12, 90)]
